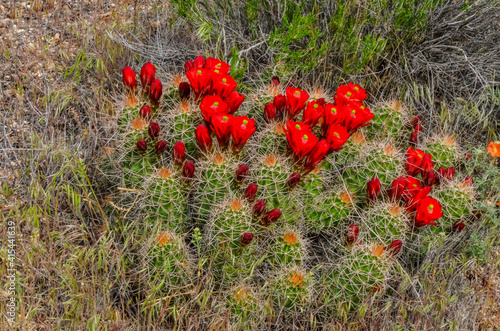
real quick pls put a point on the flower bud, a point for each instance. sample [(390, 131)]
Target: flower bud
[(373, 189), (352, 234), (145, 111), (199, 61), (154, 130), (279, 103), (188, 66), (188, 169), (234, 101), (269, 112), (271, 217), (203, 137), (241, 172), (458, 226), (147, 74), (429, 177), (142, 145), (259, 207), (179, 154), (155, 91), (246, 238), (418, 128), (129, 78), (450, 173), (321, 102), (160, 147), (395, 247), (294, 180), (427, 164), (414, 138), (251, 192), (416, 121), (468, 181), (275, 80), (184, 90), (397, 188)]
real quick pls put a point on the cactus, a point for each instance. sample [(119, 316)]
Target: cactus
[(457, 200), (444, 151), (290, 292), (245, 309), (389, 121), (385, 222), (287, 250)]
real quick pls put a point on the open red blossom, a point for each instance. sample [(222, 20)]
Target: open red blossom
[(429, 210), (312, 113), (203, 138), (295, 101), (412, 187), (145, 111), (199, 61), (427, 164), (356, 116), (221, 126), (332, 115), (349, 93), (414, 200), (155, 91), (199, 79), (216, 64), (279, 102), (147, 74), (300, 138), (234, 101), (397, 188), (269, 112), (223, 85), (129, 78), (212, 105), (336, 136), (317, 155), (414, 158), (373, 189), (352, 234), (179, 153), (242, 128)]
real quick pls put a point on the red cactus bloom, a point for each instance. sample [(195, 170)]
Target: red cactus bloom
[(223, 85), (336, 136), (458, 226), (216, 64), (279, 102), (271, 217), (246, 238), (179, 153), (317, 155), (188, 66), (332, 115), (412, 187), (199, 61), (199, 79), (373, 189), (450, 173), (300, 138), (418, 128), (203, 137), (251, 192), (429, 211), (414, 138), (242, 128), (427, 164), (269, 112), (442, 172), (154, 130), (275, 80), (397, 188), (241, 172), (294, 180), (395, 247), (142, 145), (129, 78), (416, 120), (212, 105), (352, 234), (468, 181), (145, 111), (414, 158), (321, 102), (349, 93), (429, 177), (295, 101), (160, 147), (234, 101), (184, 90), (356, 116), (312, 113), (147, 74), (259, 208), (155, 91), (188, 169), (221, 126), (416, 198)]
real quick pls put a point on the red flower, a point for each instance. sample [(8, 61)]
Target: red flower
[(416, 198), (199, 61), (212, 105), (184, 90), (142, 145), (411, 188), (429, 177), (332, 115), (199, 79), (468, 181), (356, 116), (246, 238), (129, 78), (188, 66), (395, 247), (373, 189), (179, 154), (259, 207), (216, 64), (300, 138), (427, 164), (154, 130), (428, 211), (295, 101), (271, 217), (349, 93), (223, 85), (242, 172), (418, 128), (414, 138), (317, 155), (416, 120), (145, 111), (188, 169), (160, 147), (221, 126), (155, 91), (352, 234), (458, 226), (242, 128), (294, 179), (251, 192), (275, 80), (321, 102), (312, 113), (336, 136), (279, 102), (269, 112), (397, 188), (203, 137), (450, 173), (234, 101), (147, 74), (414, 160)]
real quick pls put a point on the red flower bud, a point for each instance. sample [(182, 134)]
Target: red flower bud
[(295, 101), (269, 112), (212, 105), (275, 80), (352, 234), (317, 155), (188, 169), (450, 173), (414, 138), (142, 145), (279, 102), (242, 128), (427, 164), (416, 120), (251, 192), (203, 137), (414, 160), (442, 172), (312, 113), (429, 177), (418, 128), (179, 154), (199, 61), (271, 217), (321, 102), (397, 188), (184, 90), (154, 130), (458, 226), (145, 111), (129, 78), (221, 126), (395, 247), (242, 172), (294, 179), (155, 91), (234, 101), (259, 208), (188, 66), (373, 189), (246, 238), (336, 136), (160, 147), (468, 181), (223, 85), (147, 74)]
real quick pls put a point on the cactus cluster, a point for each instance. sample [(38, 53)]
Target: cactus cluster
[(255, 179)]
